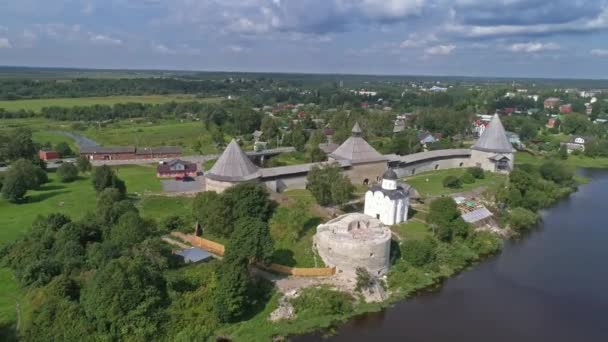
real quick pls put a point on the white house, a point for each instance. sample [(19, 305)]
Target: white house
[(388, 202)]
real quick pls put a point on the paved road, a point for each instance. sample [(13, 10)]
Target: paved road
[(81, 141)]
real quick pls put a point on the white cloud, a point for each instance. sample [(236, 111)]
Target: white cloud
[(88, 8), (415, 40), (105, 40), (5, 43), (599, 52), (3, 28), (391, 8), (235, 48), (163, 49), (532, 47), (440, 50)]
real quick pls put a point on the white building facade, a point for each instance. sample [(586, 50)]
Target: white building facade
[(389, 202)]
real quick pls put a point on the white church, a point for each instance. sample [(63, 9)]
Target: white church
[(388, 202)]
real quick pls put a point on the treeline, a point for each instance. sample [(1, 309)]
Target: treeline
[(110, 277), (85, 87)]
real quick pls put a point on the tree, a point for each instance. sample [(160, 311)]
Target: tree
[(556, 172), (130, 230), (230, 296), (419, 252), (83, 164), (329, 185), (250, 242), (443, 218), (20, 144), (126, 299), (64, 149), (405, 142), (521, 219), (452, 182), (67, 172), (212, 213), (467, 178), (111, 205), (104, 177), (14, 187), (476, 172), (270, 128), (248, 200), (33, 176)]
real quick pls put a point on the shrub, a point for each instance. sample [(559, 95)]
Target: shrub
[(364, 279), (522, 219), (174, 223), (467, 178), (67, 172), (476, 172), (315, 302), (452, 182), (419, 252)]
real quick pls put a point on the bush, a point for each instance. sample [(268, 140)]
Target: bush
[(419, 252), (476, 172), (364, 279), (83, 164), (452, 182), (174, 223), (467, 178), (315, 302), (522, 219), (67, 172)]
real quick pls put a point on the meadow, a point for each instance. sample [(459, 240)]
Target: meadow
[(36, 105), (431, 183)]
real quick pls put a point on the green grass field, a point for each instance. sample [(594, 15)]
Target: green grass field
[(431, 183), (37, 104), (411, 230), (172, 133)]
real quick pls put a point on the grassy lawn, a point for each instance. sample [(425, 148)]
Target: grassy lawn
[(174, 133), (286, 159), (431, 183), (42, 137), (412, 230), (160, 207), (37, 104), (575, 161)]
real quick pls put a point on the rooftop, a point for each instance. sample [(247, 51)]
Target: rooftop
[(233, 166), (417, 157), (356, 150), (494, 138)]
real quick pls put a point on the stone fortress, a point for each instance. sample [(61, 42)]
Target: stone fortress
[(354, 240), (363, 240), (364, 164)]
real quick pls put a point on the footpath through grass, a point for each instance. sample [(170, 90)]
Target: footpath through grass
[(36, 105)]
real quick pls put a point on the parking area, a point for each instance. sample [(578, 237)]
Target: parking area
[(177, 186)]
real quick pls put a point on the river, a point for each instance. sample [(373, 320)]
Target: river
[(551, 285)]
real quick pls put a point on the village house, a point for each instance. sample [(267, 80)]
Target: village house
[(551, 102), (176, 168), (129, 152), (565, 108), (48, 155), (576, 143)]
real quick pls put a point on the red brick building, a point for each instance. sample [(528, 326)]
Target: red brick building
[(565, 108), (48, 155), (551, 102), (176, 168), (130, 152)]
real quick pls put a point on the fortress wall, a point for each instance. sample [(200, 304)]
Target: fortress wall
[(431, 165), (359, 172)]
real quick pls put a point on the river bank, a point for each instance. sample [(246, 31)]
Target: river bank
[(544, 286)]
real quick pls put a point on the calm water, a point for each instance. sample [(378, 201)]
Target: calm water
[(550, 286)]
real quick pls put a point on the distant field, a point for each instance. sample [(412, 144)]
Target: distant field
[(37, 104), (574, 161), (173, 133)]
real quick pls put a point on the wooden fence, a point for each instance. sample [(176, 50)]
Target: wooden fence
[(218, 249)]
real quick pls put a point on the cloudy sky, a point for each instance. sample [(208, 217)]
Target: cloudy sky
[(535, 38)]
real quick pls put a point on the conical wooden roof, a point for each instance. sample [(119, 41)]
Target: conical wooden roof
[(494, 139), (356, 150), (233, 166)]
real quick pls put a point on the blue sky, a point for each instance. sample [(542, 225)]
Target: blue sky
[(534, 38)]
